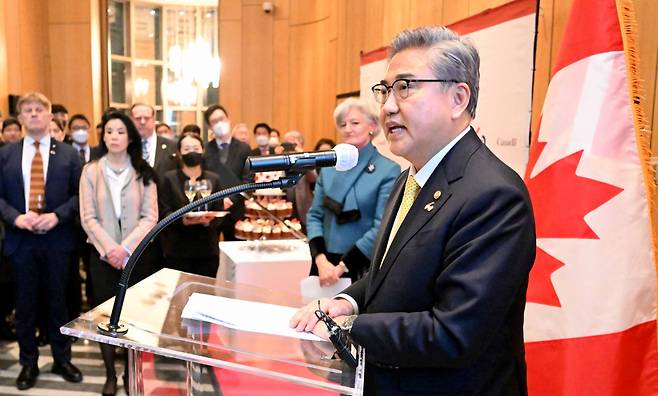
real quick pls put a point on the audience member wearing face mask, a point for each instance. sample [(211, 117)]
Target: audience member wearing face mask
[(226, 157), (190, 244), (262, 133)]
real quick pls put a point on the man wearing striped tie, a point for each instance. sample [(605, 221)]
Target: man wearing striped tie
[(441, 309), (39, 201)]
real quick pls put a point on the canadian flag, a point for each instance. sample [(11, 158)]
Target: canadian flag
[(590, 321)]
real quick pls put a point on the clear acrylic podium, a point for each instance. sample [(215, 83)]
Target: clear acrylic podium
[(280, 365)]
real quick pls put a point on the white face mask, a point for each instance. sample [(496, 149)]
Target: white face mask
[(80, 136), (274, 141), (221, 129), (262, 140)]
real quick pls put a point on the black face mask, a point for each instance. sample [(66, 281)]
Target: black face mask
[(192, 159)]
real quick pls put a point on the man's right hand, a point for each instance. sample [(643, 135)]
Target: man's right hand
[(26, 221), (326, 271), (305, 320)]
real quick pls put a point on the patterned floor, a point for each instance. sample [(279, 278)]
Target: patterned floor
[(162, 378), (86, 356)]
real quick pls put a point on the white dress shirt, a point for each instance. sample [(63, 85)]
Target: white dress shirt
[(28, 155), (85, 148), (115, 183), (152, 145), (219, 142)]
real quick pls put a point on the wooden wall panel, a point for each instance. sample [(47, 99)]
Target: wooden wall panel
[(304, 12), (72, 77), (96, 26), (477, 6), (230, 10), (231, 83), (68, 11), (257, 98), (426, 12), (349, 43), (312, 99), (281, 9), (4, 87), (28, 55), (396, 18), (281, 76), (454, 11), (75, 57), (543, 61), (373, 21)]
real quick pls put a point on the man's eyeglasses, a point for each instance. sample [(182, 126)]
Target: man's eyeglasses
[(400, 88)]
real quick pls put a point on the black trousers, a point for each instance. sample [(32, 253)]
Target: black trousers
[(37, 267), (105, 278)]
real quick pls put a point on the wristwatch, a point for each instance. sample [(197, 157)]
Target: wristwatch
[(348, 323)]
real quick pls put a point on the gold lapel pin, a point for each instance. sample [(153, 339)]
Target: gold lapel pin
[(429, 206), (437, 194)]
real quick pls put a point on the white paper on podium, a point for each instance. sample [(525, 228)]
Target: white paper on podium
[(310, 287), (244, 315)]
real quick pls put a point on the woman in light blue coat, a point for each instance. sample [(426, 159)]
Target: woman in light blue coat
[(347, 208)]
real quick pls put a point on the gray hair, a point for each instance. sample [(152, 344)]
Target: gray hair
[(294, 137), (455, 58), (365, 107)]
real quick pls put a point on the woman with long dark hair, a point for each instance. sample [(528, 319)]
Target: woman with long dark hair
[(118, 206)]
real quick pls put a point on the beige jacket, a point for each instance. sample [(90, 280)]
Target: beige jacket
[(139, 212)]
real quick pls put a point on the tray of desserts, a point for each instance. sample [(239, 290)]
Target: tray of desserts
[(216, 213), (262, 177), (278, 207), (252, 229)]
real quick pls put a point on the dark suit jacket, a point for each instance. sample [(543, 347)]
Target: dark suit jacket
[(165, 156), (237, 155), (444, 314), (232, 173), (62, 182), (256, 151), (95, 153)]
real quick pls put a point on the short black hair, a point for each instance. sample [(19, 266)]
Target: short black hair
[(211, 109), (78, 117), (324, 141), (191, 128), (58, 108), (263, 125), (276, 131), (192, 135), (9, 121)]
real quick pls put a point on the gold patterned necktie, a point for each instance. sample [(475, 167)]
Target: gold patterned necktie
[(411, 189), (37, 183)]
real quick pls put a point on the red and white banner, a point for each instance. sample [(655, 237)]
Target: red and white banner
[(590, 323), (504, 37)]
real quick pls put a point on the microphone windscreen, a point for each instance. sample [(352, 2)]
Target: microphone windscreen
[(346, 156)]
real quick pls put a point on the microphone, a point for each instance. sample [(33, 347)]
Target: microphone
[(343, 157), (338, 337)]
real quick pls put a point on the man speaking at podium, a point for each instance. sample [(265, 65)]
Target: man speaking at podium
[(441, 309)]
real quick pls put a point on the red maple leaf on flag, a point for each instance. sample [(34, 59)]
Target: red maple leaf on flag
[(560, 200)]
